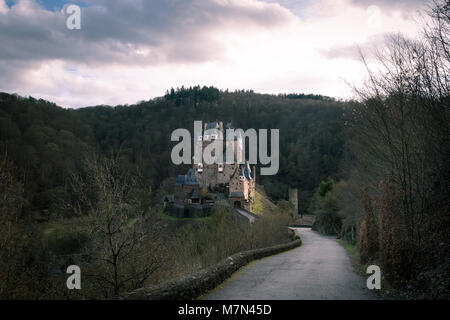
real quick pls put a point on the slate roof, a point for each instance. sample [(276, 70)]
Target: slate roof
[(247, 171), (237, 194), (190, 177), (241, 173), (193, 194), (168, 197), (187, 179), (212, 125), (180, 180)]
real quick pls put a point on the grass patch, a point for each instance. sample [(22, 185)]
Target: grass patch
[(257, 207), (63, 236), (172, 218), (132, 221), (352, 250), (56, 230)]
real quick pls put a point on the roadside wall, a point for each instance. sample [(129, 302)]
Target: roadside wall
[(199, 283)]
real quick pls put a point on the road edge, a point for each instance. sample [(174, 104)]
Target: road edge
[(198, 283)]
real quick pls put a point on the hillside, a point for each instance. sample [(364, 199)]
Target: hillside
[(47, 145), (69, 175), (263, 205)]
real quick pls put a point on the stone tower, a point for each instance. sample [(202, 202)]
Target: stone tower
[(293, 199), (219, 172)]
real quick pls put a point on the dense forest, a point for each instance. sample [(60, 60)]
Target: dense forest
[(47, 143)]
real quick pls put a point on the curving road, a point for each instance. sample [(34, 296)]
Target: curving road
[(319, 269)]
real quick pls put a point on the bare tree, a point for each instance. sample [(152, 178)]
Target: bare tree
[(124, 249), (401, 129)]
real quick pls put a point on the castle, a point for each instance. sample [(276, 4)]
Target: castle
[(235, 180)]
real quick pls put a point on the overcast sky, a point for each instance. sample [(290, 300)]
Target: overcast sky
[(132, 50)]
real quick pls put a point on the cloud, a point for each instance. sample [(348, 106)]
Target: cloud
[(131, 32), (134, 33), (133, 50), (406, 8), (411, 4), (354, 50), (341, 52)]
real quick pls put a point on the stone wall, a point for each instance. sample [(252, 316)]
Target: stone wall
[(182, 192), (188, 211), (293, 199), (199, 283), (211, 175)]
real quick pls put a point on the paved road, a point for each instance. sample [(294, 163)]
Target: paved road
[(319, 269)]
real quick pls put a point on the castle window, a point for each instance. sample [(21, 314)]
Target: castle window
[(220, 167)]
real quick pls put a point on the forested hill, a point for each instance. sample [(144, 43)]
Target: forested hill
[(47, 143)]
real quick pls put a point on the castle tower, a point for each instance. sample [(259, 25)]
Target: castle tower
[(237, 175), (293, 199)]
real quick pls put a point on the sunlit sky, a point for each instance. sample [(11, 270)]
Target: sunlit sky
[(133, 50)]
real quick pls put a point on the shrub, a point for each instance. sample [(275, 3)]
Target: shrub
[(326, 186), (198, 245), (327, 222), (325, 208), (368, 234), (396, 250)]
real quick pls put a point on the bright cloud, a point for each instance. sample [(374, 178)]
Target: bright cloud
[(134, 50)]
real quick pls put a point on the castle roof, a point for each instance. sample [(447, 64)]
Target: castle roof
[(212, 125), (194, 194), (188, 179), (168, 198), (247, 171), (236, 194), (180, 180)]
